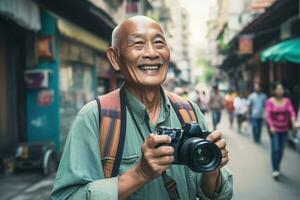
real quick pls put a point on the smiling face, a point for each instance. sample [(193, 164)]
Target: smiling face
[(142, 54)]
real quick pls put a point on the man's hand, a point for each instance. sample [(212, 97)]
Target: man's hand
[(211, 181), (216, 137), (155, 159)]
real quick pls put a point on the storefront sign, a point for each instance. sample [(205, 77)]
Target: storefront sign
[(45, 97), (246, 44), (46, 48)]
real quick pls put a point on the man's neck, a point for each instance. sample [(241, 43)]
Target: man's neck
[(150, 97)]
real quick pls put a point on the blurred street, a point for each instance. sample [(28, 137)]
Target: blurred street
[(249, 163), (233, 56), (26, 186), (251, 167)]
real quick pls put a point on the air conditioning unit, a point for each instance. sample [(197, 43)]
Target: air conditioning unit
[(37, 78)]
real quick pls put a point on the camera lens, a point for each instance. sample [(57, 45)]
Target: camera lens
[(200, 155)]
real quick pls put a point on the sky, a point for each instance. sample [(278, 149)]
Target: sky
[(198, 12)]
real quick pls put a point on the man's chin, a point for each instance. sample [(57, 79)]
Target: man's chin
[(152, 82), (146, 84)]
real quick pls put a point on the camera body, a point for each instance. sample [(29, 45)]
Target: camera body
[(191, 147)]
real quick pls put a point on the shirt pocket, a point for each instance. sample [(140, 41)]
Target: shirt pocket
[(128, 162)]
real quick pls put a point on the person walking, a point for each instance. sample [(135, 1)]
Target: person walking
[(240, 104), (216, 104), (229, 98), (257, 101), (203, 101), (279, 114)]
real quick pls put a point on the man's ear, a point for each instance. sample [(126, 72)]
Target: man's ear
[(112, 57)]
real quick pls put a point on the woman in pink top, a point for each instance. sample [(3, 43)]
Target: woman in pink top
[(279, 113)]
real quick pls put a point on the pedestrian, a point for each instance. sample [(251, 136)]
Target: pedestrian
[(279, 114), (216, 104), (203, 101), (240, 104), (257, 102), (229, 98), (140, 51), (193, 95)]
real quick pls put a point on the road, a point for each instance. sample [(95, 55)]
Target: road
[(26, 186), (251, 166)]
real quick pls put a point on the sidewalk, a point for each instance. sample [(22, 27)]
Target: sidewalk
[(250, 164), (26, 186)]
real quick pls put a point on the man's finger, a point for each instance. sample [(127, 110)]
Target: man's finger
[(164, 160), (153, 140), (224, 153), (163, 151), (221, 144), (214, 136), (224, 161)]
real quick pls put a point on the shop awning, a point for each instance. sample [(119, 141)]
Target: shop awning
[(286, 51), (75, 32), (25, 13)]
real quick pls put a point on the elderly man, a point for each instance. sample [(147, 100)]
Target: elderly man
[(139, 50)]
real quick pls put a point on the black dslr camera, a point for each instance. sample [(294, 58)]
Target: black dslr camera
[(191, 147)]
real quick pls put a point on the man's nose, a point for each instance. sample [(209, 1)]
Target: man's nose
[(150, 51)]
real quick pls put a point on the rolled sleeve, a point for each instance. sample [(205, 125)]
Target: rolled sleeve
[(226, 189), (106, 189)]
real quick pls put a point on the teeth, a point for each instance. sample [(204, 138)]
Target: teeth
[(149, 67)]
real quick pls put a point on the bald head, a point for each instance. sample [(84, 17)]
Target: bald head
[(118, 30), (139, 50)]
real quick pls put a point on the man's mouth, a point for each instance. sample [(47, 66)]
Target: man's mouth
[(149, 67)]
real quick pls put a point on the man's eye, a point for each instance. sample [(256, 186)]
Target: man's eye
[(139, 43), (159, 44)]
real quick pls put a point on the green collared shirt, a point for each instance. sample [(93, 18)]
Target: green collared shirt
[(80, 174)]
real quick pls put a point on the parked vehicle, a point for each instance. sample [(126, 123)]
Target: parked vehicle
[(40, 156)]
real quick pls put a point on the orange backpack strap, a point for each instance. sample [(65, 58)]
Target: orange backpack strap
[(112, 122), (183, 108)]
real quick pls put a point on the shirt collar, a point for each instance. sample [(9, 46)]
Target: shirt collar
[(139, 109)]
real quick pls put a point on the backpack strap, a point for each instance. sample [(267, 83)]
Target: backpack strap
[(183, 108), (112, 130), (112, 123)]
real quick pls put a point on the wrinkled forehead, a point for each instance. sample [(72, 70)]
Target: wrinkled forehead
[(140, 28)]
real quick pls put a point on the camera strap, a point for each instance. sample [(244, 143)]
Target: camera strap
[(170, 185)]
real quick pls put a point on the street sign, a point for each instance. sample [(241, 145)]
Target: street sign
[(246, 44)]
